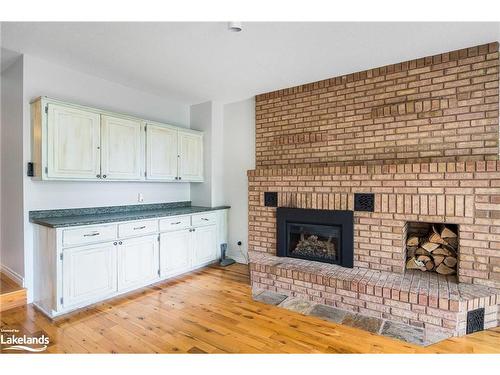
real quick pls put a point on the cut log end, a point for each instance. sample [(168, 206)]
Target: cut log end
[(412, 241), (430, 246), (450, 261), (445, 270), (447, 233)]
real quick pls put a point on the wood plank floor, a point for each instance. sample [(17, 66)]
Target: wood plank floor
[(7, 285), (211, 311), (11, 294)]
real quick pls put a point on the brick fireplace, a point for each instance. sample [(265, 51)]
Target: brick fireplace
[(422, 137)]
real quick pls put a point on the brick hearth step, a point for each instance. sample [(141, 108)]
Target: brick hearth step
[(421, 299)]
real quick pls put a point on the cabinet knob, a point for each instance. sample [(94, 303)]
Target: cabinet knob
[(98, 175), (180, 178), (120, 243), (103, 176), (115, 243)]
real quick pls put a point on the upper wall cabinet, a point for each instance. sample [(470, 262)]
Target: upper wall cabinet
[(190, 156), (161, 153), (122, 149), (72, 142), (173, 154)]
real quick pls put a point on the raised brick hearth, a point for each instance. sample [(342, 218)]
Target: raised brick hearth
[(422, 136), (435, 302)]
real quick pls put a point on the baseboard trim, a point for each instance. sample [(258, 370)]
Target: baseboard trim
[(12, 275)]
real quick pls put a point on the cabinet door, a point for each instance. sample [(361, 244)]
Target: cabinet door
[(190, 156), (138, 262), (205, 244), (73, 140), (89, 274), (175, 252), (161, 153), (122, 149)]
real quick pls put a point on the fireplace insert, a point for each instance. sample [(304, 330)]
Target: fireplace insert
[(318, 235)]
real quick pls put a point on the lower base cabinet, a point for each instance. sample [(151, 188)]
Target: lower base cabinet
[(205, 244), (89, 273), (79, 266), (138, 262), (175, 252), (185, 249)]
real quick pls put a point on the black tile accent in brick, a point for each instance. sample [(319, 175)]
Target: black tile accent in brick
[(270, 199), (364, 202)]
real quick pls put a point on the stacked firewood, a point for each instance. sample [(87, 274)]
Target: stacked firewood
[(434, 251)]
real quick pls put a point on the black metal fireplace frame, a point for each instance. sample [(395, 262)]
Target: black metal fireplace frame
[(343, 219)]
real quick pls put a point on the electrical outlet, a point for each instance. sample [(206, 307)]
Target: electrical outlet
[(140, 198)]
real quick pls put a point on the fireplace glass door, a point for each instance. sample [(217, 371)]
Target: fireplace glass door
[(317, 235), (314, 241)]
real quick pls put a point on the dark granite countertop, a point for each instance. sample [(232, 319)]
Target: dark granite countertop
[(100, 215)]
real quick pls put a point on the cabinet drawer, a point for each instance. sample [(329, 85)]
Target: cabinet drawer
[(208, 218), (89, 234), (137, 228), (175, 223)]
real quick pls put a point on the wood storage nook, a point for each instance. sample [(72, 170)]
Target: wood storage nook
[(432, 247)]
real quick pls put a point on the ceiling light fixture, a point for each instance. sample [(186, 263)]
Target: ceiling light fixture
[(234, 27)]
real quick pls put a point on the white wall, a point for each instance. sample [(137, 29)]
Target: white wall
[(208, 117), (239, 156), (217, 155), (201, 119), (47, 79), (11, 247)]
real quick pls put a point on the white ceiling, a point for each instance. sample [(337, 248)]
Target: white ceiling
[(198, 61)]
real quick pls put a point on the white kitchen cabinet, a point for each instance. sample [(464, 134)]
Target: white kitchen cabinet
[(122, 149), (88, 274), (161, 153), (175, 252), (81, 265), (88, 234), (204, 244), (190, 156), (138, 262), (73, 141)]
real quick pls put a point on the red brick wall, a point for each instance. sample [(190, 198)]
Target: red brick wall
[(438, 108), (463, 193)]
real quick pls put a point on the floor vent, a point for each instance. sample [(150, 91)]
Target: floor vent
[(364, 202), (475, 320)]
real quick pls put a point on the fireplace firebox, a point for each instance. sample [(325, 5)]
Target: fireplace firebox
[(318, 235)]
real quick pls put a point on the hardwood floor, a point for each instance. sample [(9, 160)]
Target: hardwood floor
[(7, 285), (11, 294), (211, 311)]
